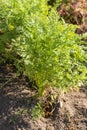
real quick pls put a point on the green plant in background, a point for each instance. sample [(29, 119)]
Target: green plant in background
[(49, 50)]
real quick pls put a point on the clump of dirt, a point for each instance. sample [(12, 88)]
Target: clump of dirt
[(17, 98)]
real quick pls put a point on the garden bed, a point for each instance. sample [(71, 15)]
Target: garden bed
[(16, 102)]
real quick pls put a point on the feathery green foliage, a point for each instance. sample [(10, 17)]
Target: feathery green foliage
[(50, 52)]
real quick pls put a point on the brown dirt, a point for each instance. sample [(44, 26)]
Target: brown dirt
[(16, 101)]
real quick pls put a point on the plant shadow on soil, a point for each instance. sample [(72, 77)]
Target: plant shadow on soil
[(17, 99)]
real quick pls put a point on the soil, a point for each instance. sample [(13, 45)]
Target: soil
[(16, 101)]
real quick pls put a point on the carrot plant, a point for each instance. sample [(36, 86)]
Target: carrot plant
[(50, 52)]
